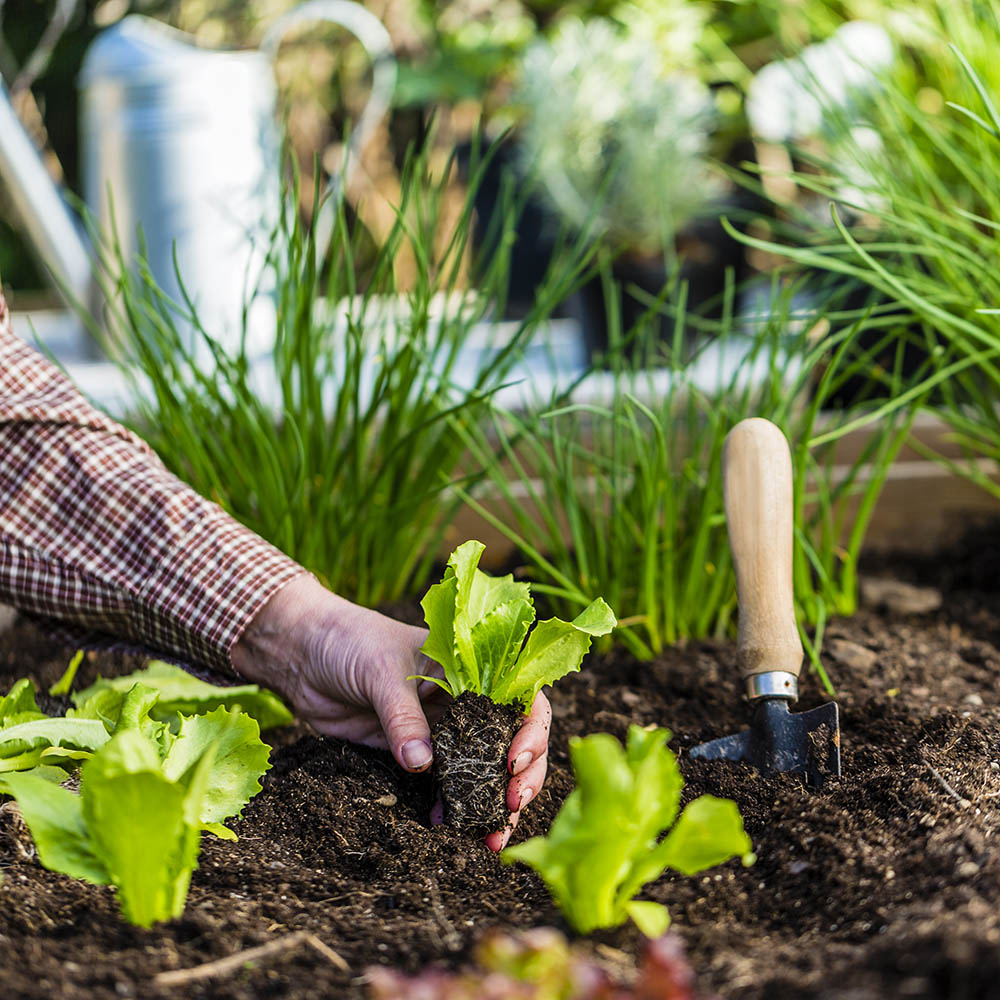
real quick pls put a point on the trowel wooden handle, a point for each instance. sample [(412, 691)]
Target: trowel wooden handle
[(757, 487)]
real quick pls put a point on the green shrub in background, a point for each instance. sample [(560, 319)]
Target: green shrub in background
[(606, 123)]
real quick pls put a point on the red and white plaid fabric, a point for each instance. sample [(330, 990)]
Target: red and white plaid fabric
[(95, 533)]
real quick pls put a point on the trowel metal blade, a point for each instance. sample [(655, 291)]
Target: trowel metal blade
[(779, 740)]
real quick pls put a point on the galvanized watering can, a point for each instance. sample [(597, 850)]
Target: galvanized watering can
[(183, 142)]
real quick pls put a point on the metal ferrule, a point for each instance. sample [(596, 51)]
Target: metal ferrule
[(773, 684)]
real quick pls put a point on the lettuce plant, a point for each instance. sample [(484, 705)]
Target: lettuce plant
[(146, 794), (604, 845), (540, 964), (181, 693), (32, 740), (479, 633)]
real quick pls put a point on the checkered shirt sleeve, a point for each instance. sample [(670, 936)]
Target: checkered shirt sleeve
[(96, 534)]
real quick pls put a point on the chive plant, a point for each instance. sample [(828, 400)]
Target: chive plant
[(623, 495), (345, 470), (921, 232)]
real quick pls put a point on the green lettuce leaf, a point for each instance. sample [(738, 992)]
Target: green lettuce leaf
[(478, 632), (179, 692), (604, 845), (135, 820), (439, 607), (708, 832), (554, 649), (19, 704), (498, 639), (55, 818), (145, 798), (240, 758), (80, 734)]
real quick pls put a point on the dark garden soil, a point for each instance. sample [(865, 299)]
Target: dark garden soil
[(886, 884)]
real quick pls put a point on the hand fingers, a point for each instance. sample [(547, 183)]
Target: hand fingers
[(498, 841), (532, 740), (523, 787), (398, 708)]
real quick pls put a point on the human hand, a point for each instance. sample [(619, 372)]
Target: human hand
[(344, 670)]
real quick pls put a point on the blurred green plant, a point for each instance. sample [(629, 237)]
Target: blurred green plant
[(469, 48), (341, 455), (621, 493), (605, 122)]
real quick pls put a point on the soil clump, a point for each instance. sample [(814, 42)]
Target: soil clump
[(470, 773)]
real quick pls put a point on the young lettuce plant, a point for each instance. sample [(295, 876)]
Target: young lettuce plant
[(179, 692), (540, 964), (32, 741), (604, 845), (493, 668), (146, 794)]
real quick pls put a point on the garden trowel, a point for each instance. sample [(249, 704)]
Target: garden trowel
[(757, 488)]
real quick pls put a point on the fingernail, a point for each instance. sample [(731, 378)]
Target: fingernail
[(526, 796), (521, 761), (416, 754)]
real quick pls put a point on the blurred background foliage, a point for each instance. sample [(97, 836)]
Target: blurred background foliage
[(603, 96)]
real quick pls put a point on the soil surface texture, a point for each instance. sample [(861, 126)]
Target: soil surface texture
[(884, 884)]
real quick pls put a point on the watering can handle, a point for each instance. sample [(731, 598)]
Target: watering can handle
[(50, 226), (375, 40), (757, 488)]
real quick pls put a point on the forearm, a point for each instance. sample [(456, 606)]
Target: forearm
[(96, 533)]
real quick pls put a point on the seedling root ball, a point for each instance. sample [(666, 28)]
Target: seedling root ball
[(470, 762)]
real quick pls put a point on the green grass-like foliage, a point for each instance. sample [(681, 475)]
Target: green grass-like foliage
[(146, 795), (604, 845), (345, 470), (920, 218), (620, 493), (479, 633)]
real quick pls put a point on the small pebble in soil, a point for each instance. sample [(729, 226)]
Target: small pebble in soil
[(899, 597), (852, 654)]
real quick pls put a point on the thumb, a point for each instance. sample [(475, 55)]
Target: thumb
[(405, 725)]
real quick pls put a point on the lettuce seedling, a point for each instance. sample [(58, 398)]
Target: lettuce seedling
[(153, 699), (540, 964), (32, 740), (604, 846), (145, 797), (181, 693), (478, 625)]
